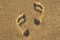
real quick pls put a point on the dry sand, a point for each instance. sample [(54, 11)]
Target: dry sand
[(48, 29)]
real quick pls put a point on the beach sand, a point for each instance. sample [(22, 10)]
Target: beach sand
[(48, 29)]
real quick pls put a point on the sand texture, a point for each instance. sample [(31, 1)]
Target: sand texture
[(29, 19)]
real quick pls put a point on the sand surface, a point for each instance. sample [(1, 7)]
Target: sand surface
[(48, 29)]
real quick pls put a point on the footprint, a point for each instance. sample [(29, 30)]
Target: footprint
[(38, 7), (21, 19)]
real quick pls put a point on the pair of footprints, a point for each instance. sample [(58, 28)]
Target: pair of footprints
[(22, 18)]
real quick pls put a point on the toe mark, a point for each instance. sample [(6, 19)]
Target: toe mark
[(21, 19), (38, 7)]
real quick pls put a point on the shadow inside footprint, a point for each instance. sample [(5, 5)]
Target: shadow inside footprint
[(36, 21), (26, 33)]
